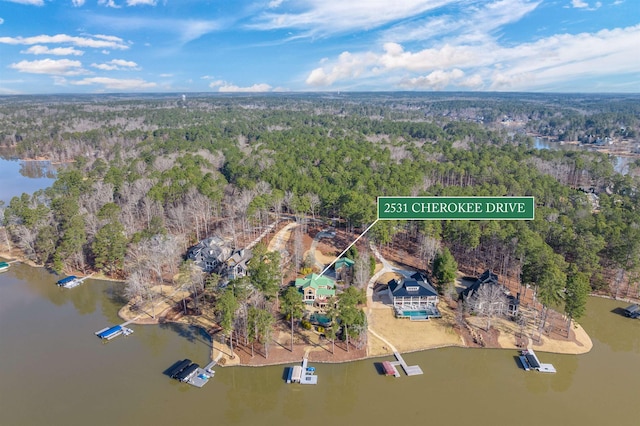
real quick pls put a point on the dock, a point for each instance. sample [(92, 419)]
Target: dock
[(209, 367), (530, 361), (190, 372), (390, 369), (109, 333), (409, 370), (632, 311), (71, 281), (302, 374)]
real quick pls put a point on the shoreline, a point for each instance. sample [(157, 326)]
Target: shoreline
[(280, 354), (439, 334)]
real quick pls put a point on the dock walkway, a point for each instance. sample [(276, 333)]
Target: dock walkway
[(410, 370)]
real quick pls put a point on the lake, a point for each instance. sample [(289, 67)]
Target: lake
[(54, 370), (18, 176), (620, 165)]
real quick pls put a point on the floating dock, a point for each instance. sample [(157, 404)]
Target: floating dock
[(409, 370), (390, 369), (302, 374), (112, 332), (190, 372), (530, 361)]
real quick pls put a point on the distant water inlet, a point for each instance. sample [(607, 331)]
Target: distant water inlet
[(17, 177), (620, 165)]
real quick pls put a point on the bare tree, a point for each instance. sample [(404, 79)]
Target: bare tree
[(429, 247), (314, 203), (4, 229), (361, 269), (489, 301), (298, 247), (26, 239)]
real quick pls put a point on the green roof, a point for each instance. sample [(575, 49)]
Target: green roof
[(319, 282), (342, 262)]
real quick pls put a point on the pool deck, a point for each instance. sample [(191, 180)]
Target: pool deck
[(417, 313)]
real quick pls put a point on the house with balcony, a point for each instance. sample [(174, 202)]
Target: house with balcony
[(316, 289)]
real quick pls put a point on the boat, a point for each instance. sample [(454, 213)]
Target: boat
[(4, 266)]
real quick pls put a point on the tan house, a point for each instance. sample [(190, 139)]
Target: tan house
[(316, 289)]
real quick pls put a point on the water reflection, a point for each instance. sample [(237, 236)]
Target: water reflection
[(18, 177), (37, 169)]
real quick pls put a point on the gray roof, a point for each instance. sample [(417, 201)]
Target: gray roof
[(486, 277), (416, 285)]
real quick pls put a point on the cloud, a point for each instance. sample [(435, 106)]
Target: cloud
[(57, 51), (115, 83), (525, 66), (49, 66), (437, 80), (29, 2), (581, 4), (97, 41), (166, 75), (330, 16), (223, 86), (1, 21), (141, 2), (109, 3), (470, 24), (117, 64), (186, 29), (77, 3)]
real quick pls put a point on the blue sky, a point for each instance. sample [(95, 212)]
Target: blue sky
[(99, 46)]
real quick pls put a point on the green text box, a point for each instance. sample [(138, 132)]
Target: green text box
[(456, 208)]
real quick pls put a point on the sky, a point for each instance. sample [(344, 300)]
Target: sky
[(108, 46)]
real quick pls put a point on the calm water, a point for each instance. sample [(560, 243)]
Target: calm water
[(18, 176), (53, 370), (620, 165)]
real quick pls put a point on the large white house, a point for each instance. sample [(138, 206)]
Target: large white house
[(413, 292)]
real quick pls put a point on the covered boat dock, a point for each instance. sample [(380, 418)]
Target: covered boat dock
[(189, 372), (302, 374), (112, 332), (530, 361), (632, 311)]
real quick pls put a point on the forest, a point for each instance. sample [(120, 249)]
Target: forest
[(143, 178)]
